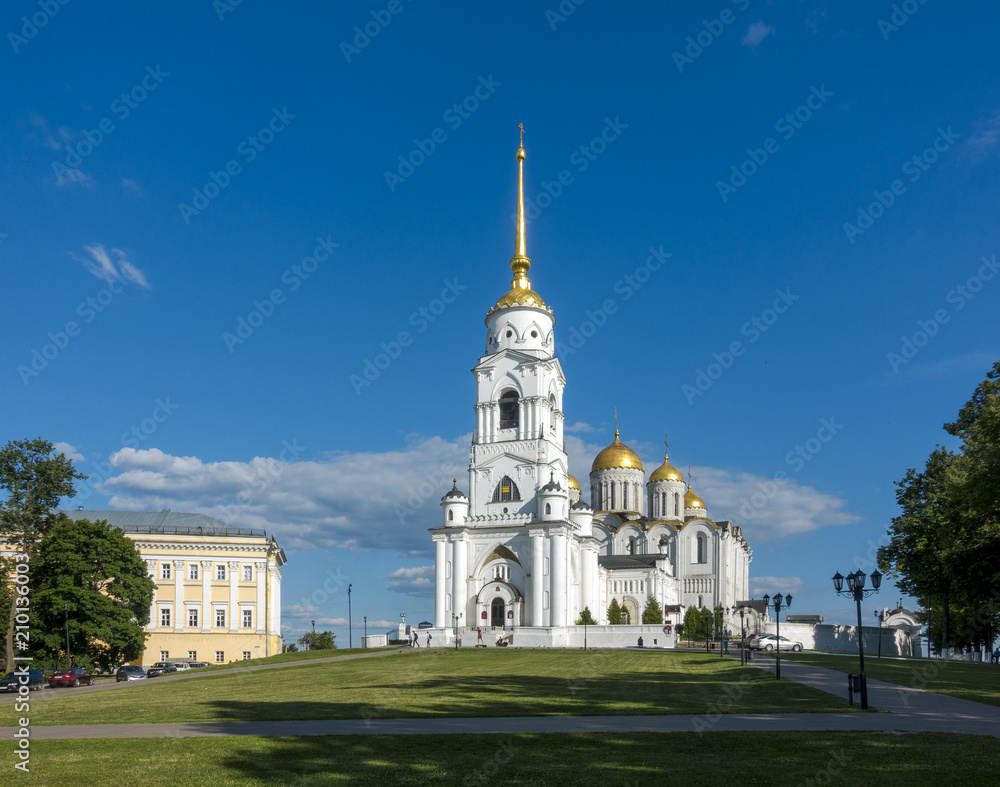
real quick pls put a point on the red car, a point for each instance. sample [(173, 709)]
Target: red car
[(70, 677)]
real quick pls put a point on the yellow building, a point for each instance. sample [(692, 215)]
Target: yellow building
[(218, 588)]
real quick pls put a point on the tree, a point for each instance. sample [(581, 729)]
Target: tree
[(586, 618), (291, 647), (978, 425), (91, 575), (318, 640), (653, 613), (35, 479), (692, 623), (614, 612), (718, 620)]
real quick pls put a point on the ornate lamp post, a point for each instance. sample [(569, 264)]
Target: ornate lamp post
[(778, 604), (880, 616), (456, 616), (856, 589), (743, 635), (350, 630)]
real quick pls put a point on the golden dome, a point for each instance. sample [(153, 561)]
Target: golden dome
[(519, 297), (691, 500), (616, 455), (573, 483), (666, 472)]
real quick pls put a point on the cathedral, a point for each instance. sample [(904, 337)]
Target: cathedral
[(523, 552)]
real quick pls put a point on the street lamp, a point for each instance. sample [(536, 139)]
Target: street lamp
[(456, 616), (66, 613), (856, 589), (350, 633), (743, 635), (880, 615), (364, 642), (312, 642), (778, 603)]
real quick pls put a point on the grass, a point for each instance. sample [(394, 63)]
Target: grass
[(961, 679), (450, 683), (285, 658), (583, 760)]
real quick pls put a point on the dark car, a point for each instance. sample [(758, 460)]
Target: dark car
[(160, 668), (129, 672), (71, 677), (14, 680)]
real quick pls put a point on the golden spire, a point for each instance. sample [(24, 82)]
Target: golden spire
[(520, 263)]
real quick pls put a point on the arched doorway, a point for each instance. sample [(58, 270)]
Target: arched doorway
[(497, 609)]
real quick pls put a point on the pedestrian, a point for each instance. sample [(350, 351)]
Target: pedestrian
[(725, 641), (428, 639), (416, 639), (640, 642), (996, 656), (479, 638)]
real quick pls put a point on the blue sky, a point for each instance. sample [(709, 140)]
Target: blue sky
[(767, 228)]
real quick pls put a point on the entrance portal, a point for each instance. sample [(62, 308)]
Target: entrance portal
[(497, 613)]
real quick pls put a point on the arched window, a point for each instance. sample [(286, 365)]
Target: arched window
[(677, 504), (552, 415), (612, 506), (702, 558), (506, 490), (509, 417), (451, 516), (631, 545), (548, 508), (625, 496)]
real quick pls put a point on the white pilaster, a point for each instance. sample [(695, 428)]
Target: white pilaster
[(234, 596), (179, 611), (460, 578), (537, 576), (557, 573), (206, 596), (261, 566), (440, 591)]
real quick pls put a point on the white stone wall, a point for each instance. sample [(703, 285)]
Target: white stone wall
[(831, 637)]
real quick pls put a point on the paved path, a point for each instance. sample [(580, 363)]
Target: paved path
[(906, 710)]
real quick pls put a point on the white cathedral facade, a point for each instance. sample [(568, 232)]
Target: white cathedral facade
[(522, 551)]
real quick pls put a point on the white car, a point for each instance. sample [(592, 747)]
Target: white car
[(770, 642)]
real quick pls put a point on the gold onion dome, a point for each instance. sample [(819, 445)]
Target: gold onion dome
[(573, 483), (666, 472), (691, 500), (616, 455)]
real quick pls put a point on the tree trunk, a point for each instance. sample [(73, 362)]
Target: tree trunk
[(945, 620)]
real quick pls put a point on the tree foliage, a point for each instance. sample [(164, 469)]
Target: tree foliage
[(697, 623), (614, 612), (318, 640), (35, 478), (653, 613), (586, 618), (91, 575)]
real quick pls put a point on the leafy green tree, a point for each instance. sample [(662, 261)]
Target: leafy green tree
[(692, 623), (35, 478), (717, 620), (91, 575), (707, 622), (586, 618), (653, 613), (614, 612), (318, 640)]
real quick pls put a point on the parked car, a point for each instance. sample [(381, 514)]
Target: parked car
[(71, 677), (161, 668), (197, 664), (129, 672), (770, 642), (14, 681)]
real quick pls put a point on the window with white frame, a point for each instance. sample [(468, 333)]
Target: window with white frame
[(164, 616), (248, 573), (220, 657), (220, 571), (164, 655), (193, 655), (193, 617), (246, 655), (248, 618), (193, 571), (220, 617), (165, 571)]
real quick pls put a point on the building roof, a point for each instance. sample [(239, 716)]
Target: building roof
[(165, 522), (614, 562)]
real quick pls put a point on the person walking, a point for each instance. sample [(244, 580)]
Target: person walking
[(479, 638), (725, 641), (428, 639)]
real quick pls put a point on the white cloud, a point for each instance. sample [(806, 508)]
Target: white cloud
[(99, 263), (69, 451), (417, 581), (579, 426), (131, 187), (770, 585), (73, 177), (756, 33)]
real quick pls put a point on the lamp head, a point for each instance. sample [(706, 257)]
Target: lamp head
[(788, 600), (876, 579), (767, 600), (838, 582)]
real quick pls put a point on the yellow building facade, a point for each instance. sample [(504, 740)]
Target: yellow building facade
[(218, 588)]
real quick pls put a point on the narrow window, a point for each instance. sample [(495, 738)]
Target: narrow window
[(165, 571), (220, 571), (193, 619), (193, 571), (677, 504), (165, 616), (548, 508), (248, 618), (701, 548), (612, 496), (509, 417), (220, 618), (451, 516), (248, 573)]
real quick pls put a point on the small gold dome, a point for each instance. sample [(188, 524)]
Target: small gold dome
[(691, 500), (616, 455), (573, 483), (519, 297), (666, 472)]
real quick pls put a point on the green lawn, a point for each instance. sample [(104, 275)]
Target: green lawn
[(776, 758), (285, 658), (961, 679), (449, 683)]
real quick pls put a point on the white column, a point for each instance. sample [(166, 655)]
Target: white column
[(151, 571), (261, 566), (277, 601), (588, 577), (460, 580), (206, 596), (480, 423), (234, 597), (440, 563), (179, 596), (537, 576), (557, 573)]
